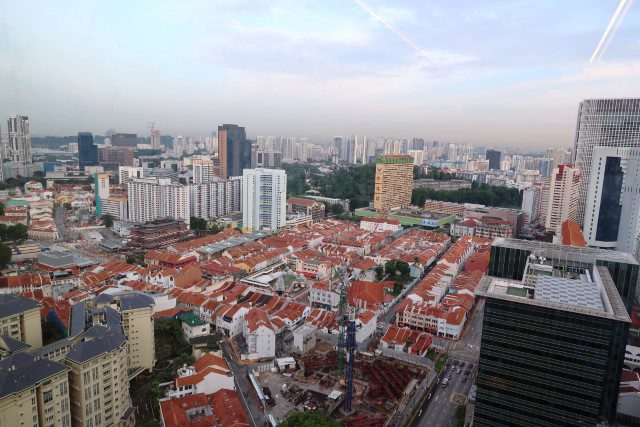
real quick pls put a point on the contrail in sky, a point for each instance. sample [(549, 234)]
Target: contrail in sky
[(620, 9), (406, 39)]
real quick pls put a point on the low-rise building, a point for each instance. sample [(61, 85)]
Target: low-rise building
[(300, 206), (259, 334), (208, 374), (192, 326)]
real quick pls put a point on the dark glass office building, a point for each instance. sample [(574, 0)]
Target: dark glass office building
[(550, 355), (87, 150), (494, 158), (234, 150)]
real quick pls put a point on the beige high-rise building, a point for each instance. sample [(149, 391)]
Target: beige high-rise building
[(20, 319), (136, 310), (393, 182), (34, 392), (562, 203), (98, 380)]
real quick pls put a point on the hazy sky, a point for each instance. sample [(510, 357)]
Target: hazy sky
[(512, 72)]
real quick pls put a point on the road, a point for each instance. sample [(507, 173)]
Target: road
[(58, 217), (440, 409), (240, 372)]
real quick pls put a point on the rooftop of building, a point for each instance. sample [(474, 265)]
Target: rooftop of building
[(11, 304), (22, 371), (557, 251), (592, 294)]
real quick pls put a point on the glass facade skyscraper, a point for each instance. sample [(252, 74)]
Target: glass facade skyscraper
[(87, 150), (606, 123), (234, 150)]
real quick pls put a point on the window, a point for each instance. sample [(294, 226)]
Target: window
[(96, 389), (47, 396), (86, 377), (64, 388)]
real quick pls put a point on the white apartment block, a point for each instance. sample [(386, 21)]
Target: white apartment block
[(126, 173), (563, 197), (153, 198), (203, 170), (215, 198), (264, 199), (117, 207), (18, 148)]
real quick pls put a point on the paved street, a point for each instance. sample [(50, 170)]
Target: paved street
[(440, 409), (58, 217), (243, 387)]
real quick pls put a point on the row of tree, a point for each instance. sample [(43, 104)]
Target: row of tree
[(432, 173), (478, 193)]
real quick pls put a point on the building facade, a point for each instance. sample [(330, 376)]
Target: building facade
[(18, 148), (495, 158), (393, 182), (87, 150), (264, 199), (552, 348), (612, 213), (234, 150), (563, 197), (216, 198), (607, 123)]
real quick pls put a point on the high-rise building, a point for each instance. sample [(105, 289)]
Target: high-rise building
[(204, 169), (125, 173), (215, 198), (102, 190), (154, 198), (234, 150), (125, 140), (155, 137), (115, 156), (87, 150), (393, 182), (19, 143), (558, 155), (494, 158), (612, 214), (418, 144), (563, 197), (35, 391), (554, 320), (264, 199), (20, 319), (607, 123)]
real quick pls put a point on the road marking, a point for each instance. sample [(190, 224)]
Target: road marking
[(458, 399)]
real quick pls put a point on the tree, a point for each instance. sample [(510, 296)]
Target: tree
[(197, 224), (379, 273), (1, 208), (313, 418), (404, 269), (107, 220), (337, 209), (397, 287), (5, 255), (86, 188), (390, 268)]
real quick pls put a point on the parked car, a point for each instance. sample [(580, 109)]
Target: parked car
[(464, 379)]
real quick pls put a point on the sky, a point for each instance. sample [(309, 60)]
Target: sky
[(510, 72)]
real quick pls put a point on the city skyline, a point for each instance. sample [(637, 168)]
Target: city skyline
[(283, 68)]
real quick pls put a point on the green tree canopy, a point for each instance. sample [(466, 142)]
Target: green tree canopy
[(107, 220), (478, 193), (5, 255), (314, 418)]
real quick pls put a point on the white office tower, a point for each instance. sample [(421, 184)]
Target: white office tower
[(613, 200), (204, 169), (607, 123), (534, 198), (18, 147), (264, 199), (418, 157), (216, 198), (563, 197), (126, 173), (153, 198), (155, 137)]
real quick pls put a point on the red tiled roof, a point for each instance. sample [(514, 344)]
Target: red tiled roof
[(572, 235)]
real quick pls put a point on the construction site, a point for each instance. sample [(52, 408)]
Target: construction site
[(369, 395)]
